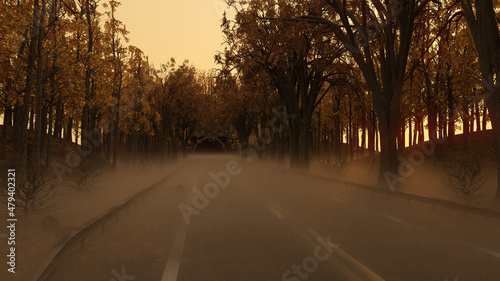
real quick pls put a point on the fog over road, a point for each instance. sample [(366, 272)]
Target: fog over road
[(270, 224)]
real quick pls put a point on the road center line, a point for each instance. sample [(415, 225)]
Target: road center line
[(484, 250), (275, 212), (390, 218), (361, 272), (175, 256), (368, 210)]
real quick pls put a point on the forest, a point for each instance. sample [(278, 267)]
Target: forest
[(355, 78)]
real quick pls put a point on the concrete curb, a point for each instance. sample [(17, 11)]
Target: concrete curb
[(426, 200), (71, 239)]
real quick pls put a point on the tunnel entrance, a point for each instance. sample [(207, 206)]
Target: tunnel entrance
[(209, 144)]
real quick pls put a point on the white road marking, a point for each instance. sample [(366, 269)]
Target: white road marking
[(337, 199), (484, 250), (174, 259), (361, 270), (368, 210), (391, 218), (275, 212), (370, 275), (350, 203)]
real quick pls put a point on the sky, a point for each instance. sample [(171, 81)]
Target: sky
[(182, 29)]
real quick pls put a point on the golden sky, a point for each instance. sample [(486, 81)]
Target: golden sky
[(183, 29)]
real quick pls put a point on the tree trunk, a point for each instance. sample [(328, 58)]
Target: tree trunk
[(403, 135), (363, 139), (59, 118), (350, 132), (432, 122), (7, 122), (388, 148), (451, 108), (32, 118), (305, 132), (318, 141), (472, 117), (85, 124), (39, 93), (478, 116), (421, 132), (466, 118), (280, 157), (295, 144), (439, 123), (493, 103), (410, 143), (108, 142), (68, 134), (372, 129), (485, 117), (337, 130), (416, 130), (48, 155), (43, 135), (25, 108)]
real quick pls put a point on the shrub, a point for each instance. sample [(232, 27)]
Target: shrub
[(466, 176)]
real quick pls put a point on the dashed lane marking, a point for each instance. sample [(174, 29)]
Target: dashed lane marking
[(391, 218), (484, 250), (174, 259), (368, 210), (277, 213), (348, 263)]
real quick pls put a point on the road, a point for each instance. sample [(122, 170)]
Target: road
[(220, 217)]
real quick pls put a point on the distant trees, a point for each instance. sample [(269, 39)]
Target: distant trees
[(394, 73), (177, 103), (297, 57), (357, 76), (115, 35), (66, 72)]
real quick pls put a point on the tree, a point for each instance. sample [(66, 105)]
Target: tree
[(187, 104), (484, 25), (378, 36), (115, 32), (297, 56)]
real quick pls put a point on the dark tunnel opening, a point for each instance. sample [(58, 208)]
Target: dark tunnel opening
[(209, 145)]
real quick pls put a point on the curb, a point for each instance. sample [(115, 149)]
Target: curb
[(426, 200), (71, 239)]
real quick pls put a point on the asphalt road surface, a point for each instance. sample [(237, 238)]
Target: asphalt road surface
[(220, 218)]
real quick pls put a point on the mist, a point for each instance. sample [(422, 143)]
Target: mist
[(226, 217), (334, 140)]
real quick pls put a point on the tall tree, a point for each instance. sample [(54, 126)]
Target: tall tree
[(298, 57), (378, 35), (484, 24), (115, 35)]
